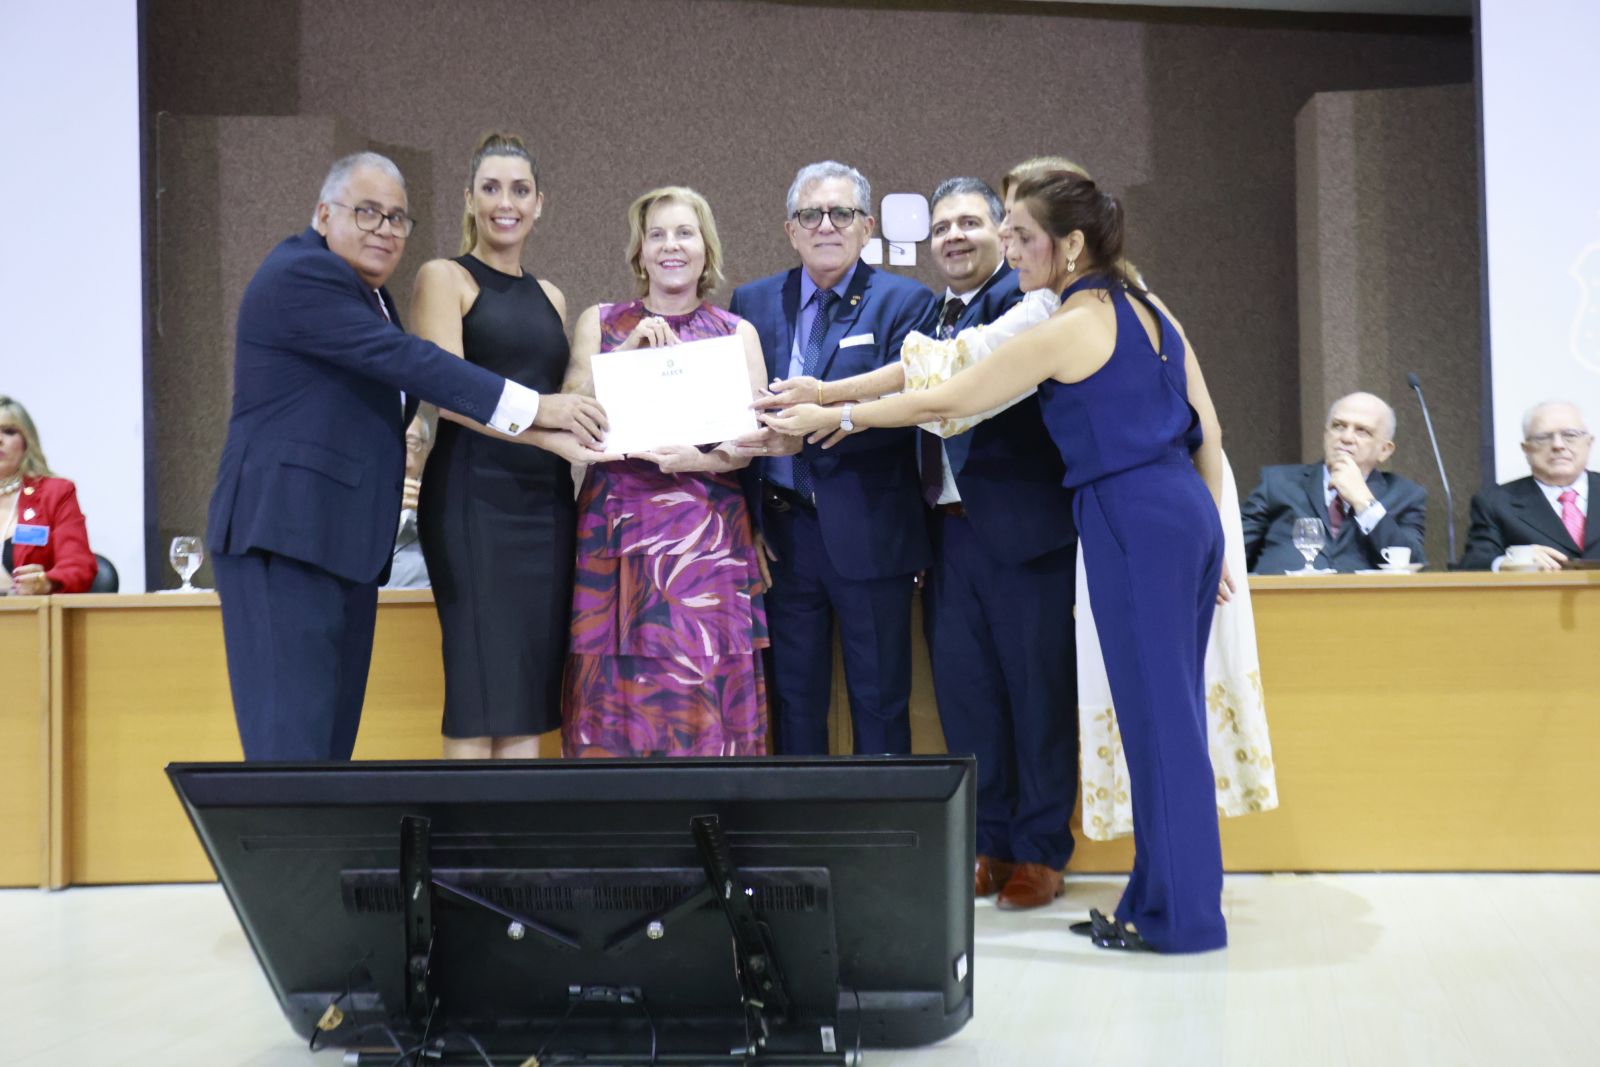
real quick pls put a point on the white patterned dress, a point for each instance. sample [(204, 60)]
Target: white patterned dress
[(1236, 714)]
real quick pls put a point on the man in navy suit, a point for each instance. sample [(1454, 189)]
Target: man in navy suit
[(1363, 510), (997, 607), (1547, 512), (846, 525), (308, 492)]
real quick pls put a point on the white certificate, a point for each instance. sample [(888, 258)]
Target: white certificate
[(695, 393)]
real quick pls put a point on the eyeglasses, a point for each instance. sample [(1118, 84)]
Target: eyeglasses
[(1568, 437), (810, 218), (369, 218)]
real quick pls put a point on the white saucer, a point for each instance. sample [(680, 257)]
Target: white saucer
[(1312, 574), (1409, 568)]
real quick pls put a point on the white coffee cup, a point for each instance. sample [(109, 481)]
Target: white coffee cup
[(1519, 554), (1397, 557)]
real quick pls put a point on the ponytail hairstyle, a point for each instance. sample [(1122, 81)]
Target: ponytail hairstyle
[(1063, 201), (492, 144), (1032, 168)]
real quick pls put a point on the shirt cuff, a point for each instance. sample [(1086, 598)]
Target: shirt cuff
[(516, 410), (1495, 566), (1370, 516)]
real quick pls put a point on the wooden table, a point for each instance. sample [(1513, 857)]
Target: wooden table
[(1421, 722), (24, 739)]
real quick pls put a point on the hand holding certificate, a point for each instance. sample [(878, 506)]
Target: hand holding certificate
[(695, 393)]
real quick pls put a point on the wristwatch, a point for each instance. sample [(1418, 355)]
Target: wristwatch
[(844, 419)]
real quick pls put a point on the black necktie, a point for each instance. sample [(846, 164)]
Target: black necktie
[(947, 318), (810, 360)]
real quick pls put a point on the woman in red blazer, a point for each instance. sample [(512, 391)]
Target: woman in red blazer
[(44, 543)]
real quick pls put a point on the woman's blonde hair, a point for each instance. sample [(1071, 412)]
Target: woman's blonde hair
[(492, 144), (1032, 168), (34, 465), (711, 278)]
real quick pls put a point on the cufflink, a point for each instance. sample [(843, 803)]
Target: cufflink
[(515, 428)]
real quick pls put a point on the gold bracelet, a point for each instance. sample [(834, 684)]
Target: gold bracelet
[(819, 394)]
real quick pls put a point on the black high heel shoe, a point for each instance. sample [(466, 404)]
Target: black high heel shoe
[(1110, 934)]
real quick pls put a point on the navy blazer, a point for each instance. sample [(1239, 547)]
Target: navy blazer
[(1008, 469), (315, 456), (1518, 513), (1294, 491), (869, 503)]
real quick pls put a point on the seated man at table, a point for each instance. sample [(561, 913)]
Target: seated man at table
[(1363, 510), (1547, 513)]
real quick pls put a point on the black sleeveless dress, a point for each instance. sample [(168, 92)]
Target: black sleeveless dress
[(497, 522)]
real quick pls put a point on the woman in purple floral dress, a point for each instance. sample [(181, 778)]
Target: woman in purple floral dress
[(667, 618)]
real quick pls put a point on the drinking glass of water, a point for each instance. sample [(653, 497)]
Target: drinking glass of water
[(186, 554), (1309, 537)]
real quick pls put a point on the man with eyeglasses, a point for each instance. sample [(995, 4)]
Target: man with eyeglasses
[(845, 525), (308, 495), (998, 604), (1542, 521), (1363, 510)]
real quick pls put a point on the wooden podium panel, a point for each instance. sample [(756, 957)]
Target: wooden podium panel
[(145, 683), (1428, 722), (24, 739)]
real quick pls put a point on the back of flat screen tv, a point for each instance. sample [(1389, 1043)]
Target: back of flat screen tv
[(562, 914)]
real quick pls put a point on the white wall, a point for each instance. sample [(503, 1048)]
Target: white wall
[(1541, 154), (70, 289)]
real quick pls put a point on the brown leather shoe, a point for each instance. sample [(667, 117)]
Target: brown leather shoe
[(990, 875), (1031, 885)]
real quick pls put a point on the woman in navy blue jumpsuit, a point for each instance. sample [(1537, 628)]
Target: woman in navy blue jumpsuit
[(1125, 402)]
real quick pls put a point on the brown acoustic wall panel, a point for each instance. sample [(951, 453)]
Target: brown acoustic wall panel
[(1389, 276), (1189, 116)]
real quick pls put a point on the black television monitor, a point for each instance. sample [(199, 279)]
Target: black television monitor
[(771, 911)]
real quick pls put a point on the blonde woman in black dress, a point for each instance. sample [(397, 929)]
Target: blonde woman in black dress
[(497, 517)]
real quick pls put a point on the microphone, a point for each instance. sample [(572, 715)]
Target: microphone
[(1444, 479)]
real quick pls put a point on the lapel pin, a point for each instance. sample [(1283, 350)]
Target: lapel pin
[(854, 300)]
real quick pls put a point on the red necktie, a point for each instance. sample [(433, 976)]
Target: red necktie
[(1571, 517), (1335, 515)]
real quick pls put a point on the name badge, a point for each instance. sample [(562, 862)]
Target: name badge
[(858, 339), (31, 535)]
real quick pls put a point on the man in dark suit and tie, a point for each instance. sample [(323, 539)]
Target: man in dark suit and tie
[(846, 525), (1363, 509), (303, 518), (1547, 513), (998, 602)]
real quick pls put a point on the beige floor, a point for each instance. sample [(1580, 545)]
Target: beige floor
[(1358, 970)]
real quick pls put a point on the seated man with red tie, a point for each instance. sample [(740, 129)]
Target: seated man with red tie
[(1363, 510), (1547, 514)]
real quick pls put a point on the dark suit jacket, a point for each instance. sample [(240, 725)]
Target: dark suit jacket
[(315, 455), (869, 502), (66, 558), (1294, 491), (1517, 513), (1007, 469)]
